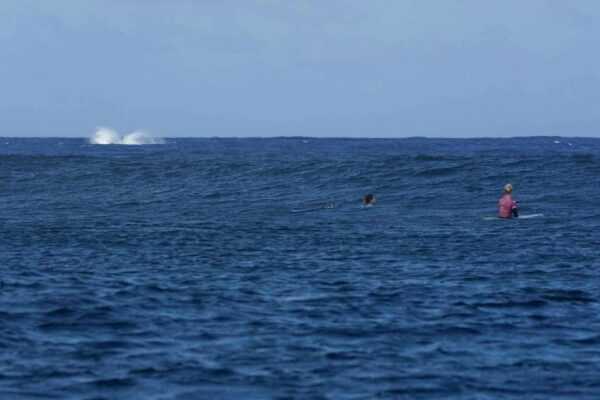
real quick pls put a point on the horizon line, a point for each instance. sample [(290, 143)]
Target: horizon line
[(324, 137)]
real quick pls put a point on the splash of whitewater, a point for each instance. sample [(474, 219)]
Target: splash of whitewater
[(110, 136)]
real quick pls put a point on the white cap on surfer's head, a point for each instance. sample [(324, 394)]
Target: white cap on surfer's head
[(508, 188)]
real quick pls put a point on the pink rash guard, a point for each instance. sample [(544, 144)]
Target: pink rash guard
[(506, 205)]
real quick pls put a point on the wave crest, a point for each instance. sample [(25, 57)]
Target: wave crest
[(110, 136)]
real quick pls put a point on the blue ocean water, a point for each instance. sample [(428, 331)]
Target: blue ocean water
[(247, 269)]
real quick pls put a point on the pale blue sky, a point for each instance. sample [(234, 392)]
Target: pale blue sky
[(368, 68)]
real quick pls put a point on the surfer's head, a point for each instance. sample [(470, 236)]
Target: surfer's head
[(369, 199), (508, 188)]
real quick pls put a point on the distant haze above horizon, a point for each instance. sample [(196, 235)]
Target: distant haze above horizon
[(262, 68)]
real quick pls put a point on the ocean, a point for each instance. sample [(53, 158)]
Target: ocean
[(248, 269)]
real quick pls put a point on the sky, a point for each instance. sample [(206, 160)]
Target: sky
[(353, 68)]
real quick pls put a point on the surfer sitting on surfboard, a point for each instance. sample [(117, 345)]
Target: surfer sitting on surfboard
[(507, 207)]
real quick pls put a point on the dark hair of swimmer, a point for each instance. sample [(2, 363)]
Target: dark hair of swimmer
[(369, 199)]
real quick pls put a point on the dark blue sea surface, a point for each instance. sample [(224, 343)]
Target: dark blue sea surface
[(247, 269)]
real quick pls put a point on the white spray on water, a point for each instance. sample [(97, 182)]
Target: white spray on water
[(110, 136)]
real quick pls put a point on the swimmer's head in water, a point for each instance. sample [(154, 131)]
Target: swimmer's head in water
[(369, 199), (508, 188)]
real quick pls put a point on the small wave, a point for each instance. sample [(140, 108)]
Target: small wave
[(584, 158), (315, 207), (114, 382), (592, 340), (431, 157), (563, 295), (140, 137), (533, 303), (110, 136), (441, 171)]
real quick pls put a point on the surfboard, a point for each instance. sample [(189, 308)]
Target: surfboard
[(527, 216), (521, 216)]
